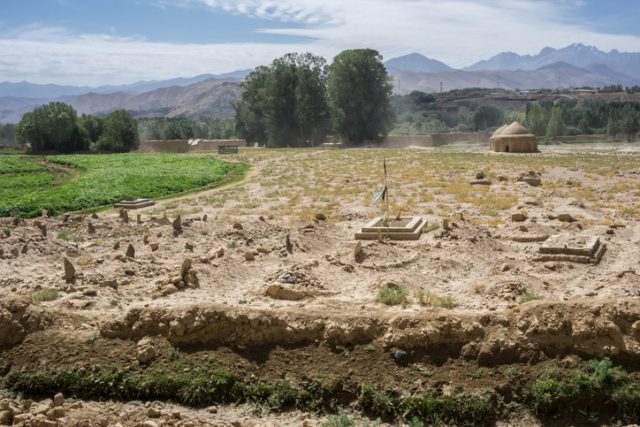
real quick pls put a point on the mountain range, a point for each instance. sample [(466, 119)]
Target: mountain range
[(576, 65)]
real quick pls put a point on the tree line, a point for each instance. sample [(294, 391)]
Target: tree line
[(298, 100), (594, 116), (57, 127), (186, 128)]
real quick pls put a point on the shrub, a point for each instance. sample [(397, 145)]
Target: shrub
[(433, 300), (48, 294), (392, 294)]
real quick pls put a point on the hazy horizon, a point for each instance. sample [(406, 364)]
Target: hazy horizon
[(71, 42)]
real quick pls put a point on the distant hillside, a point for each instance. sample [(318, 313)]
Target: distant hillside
[(577, 54), (416, 63), (209, 97), (13, 108), (555, 75), (52, 91)]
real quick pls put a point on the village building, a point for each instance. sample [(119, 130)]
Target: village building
[(513, 138)]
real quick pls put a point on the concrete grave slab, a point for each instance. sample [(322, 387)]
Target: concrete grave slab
[(135, 204), (581, 249), (405, 228)]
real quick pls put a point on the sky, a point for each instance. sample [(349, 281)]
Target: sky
[(101, 42)]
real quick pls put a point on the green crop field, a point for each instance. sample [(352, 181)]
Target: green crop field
[(65, 183)]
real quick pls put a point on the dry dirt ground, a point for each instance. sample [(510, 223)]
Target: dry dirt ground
[(262, 277)]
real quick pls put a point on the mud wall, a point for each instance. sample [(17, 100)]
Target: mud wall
[(183, 146), (481, 138), (435, 140), (528, 334)]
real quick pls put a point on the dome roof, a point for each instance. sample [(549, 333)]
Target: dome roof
[(514, 128), (499, 130)]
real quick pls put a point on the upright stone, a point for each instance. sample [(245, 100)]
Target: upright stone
[(69, 271)]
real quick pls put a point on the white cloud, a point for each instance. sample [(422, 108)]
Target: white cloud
[(458, 32)]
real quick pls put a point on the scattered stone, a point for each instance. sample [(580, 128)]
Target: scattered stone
[(41, 227), (565, 217), (532, 178), (58, 400), (69, 271), (25, 248), (90, 293), (205, 217), (518, 217), (6, 418), (65, 219), (145, 239), (112, 283), (94, 216), (153, 412), (237, 226), (532, 202), (169, 289), (212, 409), (91, 228), (154, 247), (15, 252), (124, 215), (358, 253), (116, 246), (185, 267), (288, 244), (320, 217), (480, 182), (401, 357), (481, 175), (248, 256), (502, 178), (139, 219), (610, 231), (131, 252), (220, 253), (189, 246), (145, 350), (177, 226)]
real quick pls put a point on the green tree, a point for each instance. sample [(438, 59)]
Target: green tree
[(120, 133), (629, 121), (536, 120), (285, 104), (94, 125), (8, 134), (251, 110), (359, 96), (613, 122), (486, 116), (555, 126), (52, 127)]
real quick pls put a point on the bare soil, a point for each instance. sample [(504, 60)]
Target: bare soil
[(275, 293)]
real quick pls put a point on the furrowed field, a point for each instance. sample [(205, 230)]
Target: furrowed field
[(74, 182)]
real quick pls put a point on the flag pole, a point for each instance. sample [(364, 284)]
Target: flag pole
[(386, 186)]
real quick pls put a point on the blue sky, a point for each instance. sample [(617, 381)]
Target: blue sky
[(94, 42)]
